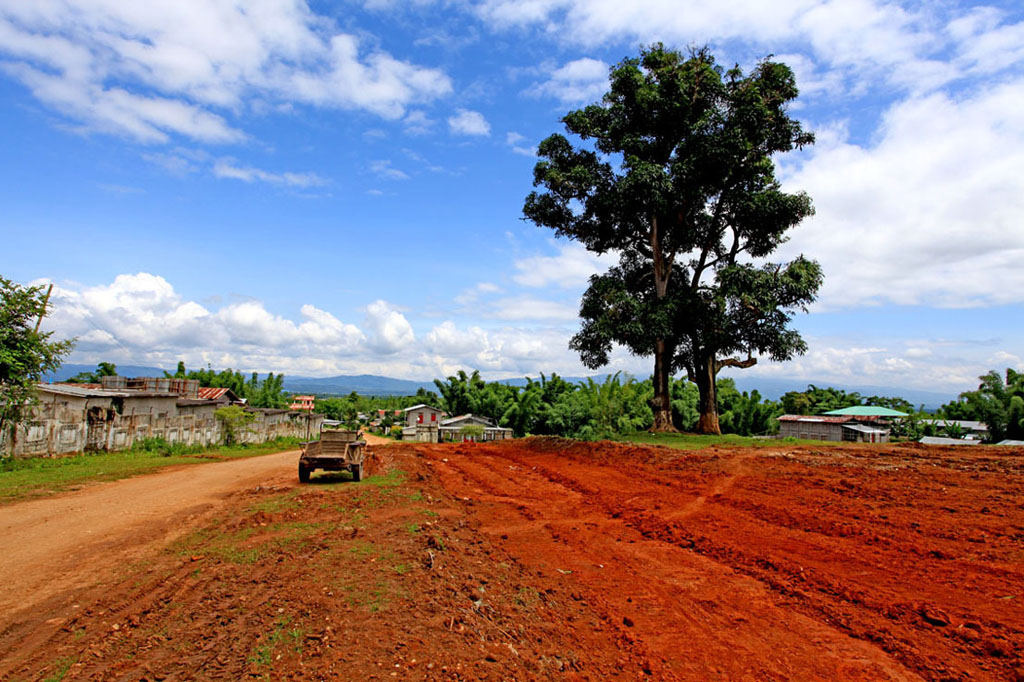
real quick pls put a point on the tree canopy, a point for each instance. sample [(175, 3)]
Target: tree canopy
[(997, 402), (675, 175), (266, 392), (25, 352), (103, 369)]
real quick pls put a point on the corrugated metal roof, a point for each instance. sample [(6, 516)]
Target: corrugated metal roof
[(962, 423), (465, 417), (76, 391), (79, 391), (822, 418), (416, 407), (211, 393), (863, 428), (867, 411), (935, 440), (1010, 442)]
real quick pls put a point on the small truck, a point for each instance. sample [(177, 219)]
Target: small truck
[(337, 450)]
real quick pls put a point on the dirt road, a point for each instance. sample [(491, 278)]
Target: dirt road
[(56, 544)]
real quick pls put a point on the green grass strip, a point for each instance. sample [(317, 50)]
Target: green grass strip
[(29, 477)]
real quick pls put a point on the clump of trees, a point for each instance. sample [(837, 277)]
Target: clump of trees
[(816, 400), (998, 401), (674, 173), (25, 352), (266, 392), (103, 369), (348, 408)]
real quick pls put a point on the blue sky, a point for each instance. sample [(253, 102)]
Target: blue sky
[(331, 188)]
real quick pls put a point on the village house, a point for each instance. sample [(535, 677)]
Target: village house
[(858, 429), (422, 423), (121, 411), (303, 403), (451, 429), (858, 424)]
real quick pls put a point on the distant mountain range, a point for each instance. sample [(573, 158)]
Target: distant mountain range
[(372, 384)]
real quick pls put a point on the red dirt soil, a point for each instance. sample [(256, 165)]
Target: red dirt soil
[(546, 559)]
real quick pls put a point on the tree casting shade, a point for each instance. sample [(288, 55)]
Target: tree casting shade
[(867, 411)]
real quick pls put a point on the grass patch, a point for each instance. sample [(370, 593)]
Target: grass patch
[(375, 598), (22, 478), (527, 597), (228, 547), (60, 668), (692, 441), (263, 654), (392, 479), (278, 503)]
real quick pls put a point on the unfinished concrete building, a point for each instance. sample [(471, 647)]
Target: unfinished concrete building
[(73, 418)]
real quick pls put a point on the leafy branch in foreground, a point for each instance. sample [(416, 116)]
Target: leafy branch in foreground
[(25, 352)]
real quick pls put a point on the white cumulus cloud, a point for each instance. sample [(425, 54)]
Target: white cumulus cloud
[(150, 70), (929, 213), (390, 331), (581, 81), (467, 122), (570, 267)]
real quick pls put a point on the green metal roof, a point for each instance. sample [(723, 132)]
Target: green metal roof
[(867, 411)]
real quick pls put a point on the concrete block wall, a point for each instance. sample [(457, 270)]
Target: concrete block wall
[(61, 434)]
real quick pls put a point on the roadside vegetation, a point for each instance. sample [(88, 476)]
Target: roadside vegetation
[(25, 352), (23, 478), (619, 406)]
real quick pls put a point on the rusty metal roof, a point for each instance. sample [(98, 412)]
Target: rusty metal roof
[(211, 393)]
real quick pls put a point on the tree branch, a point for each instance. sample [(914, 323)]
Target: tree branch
[(702, 264), (735, 362)]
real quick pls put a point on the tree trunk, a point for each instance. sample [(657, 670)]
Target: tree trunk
[(708, 403), (662, 402), (663, 351)]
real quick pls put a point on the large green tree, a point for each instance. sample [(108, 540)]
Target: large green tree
[(675, 174), (998, 403), (25, 352)]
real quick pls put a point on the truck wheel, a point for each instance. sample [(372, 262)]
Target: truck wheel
[(303, 474), (357, 472)]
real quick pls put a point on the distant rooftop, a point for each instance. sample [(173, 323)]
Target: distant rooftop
[(936, 440), (421, 405), (867, 411)]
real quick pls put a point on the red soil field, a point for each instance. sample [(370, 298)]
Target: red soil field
[(546, 559)]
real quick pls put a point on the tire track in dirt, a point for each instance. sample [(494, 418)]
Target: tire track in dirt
[(802, 565), (675, 602)]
